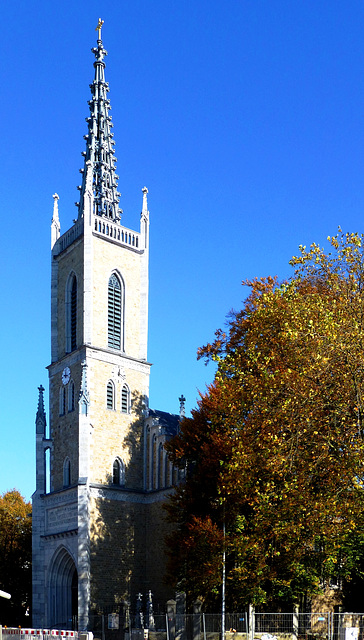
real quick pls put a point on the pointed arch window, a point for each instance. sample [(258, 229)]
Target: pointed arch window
[(47, 470), (71, 313), (62, 401), (71, 396), (160, 467), (154, 465), (125, 399), (115, 312), (110, 395), (66, 473), (118, 472)]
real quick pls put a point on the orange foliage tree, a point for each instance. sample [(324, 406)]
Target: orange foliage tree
[(15, 558), (274, 449)]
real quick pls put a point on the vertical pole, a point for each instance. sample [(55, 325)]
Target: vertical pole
[(171, 617), (251, 617), (197, 620), (223, 583), (295, 622), (204, 627)]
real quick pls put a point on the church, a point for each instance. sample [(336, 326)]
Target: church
[(102, 473)]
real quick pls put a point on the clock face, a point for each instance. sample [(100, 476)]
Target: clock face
[(66, 375)]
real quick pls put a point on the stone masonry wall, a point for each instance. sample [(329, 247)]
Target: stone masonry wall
[(109, 257), (70, 260), (117, 530)]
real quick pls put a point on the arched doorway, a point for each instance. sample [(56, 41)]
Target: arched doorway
[(63, 591)]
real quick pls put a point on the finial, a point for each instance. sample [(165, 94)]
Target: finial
[(40, 419), (145, 203), (84, 397), (182, 401), (55, 206), (55, 226), (98, 28)]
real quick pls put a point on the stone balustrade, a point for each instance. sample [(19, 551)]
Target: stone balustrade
[(119, 234)]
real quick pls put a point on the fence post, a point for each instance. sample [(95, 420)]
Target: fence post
[(171, 618), (251, 619), (181, 615), (1, 632), (197, 619), (295, 622)]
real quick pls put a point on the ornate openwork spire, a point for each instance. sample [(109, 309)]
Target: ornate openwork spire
[(99, 155)]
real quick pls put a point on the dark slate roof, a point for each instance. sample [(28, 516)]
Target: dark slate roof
[(168, 421)]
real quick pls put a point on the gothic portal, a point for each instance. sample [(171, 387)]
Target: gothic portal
[(102, 472)]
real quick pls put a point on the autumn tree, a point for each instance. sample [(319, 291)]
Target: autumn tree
[(274, 451), (15, 557)]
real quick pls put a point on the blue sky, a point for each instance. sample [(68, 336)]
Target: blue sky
[(245, 120)]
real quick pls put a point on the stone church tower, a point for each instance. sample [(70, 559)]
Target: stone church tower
[(101, 472)]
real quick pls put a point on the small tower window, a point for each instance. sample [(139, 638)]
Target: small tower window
[(62, 401), (66, 473), (71, 396), (114, 318), (118, 472), (110, 395), (125, 399)]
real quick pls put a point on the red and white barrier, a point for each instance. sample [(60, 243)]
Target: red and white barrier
[(36, 634)]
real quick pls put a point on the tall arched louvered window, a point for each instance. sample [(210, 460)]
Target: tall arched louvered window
[(110, 395), (114, 317), (73, 314), (125, 399)]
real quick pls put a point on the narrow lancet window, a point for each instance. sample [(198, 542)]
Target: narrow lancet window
[(73, 319), (66, 473), (71, 313), (125, 399), (110, 396), (118, 472), (62, 401), (71, 396), (114, 312)]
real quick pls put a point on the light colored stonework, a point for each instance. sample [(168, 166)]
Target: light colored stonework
[(98, 537)]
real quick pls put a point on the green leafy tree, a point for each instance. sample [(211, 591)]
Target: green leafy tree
[(15, 558), (275, 447)]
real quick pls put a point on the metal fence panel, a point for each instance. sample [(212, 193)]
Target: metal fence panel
[(314, 626), (280, 625), (348, 626), (291, 626)]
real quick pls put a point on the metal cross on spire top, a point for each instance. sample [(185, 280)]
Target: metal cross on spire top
[(99, 26)]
